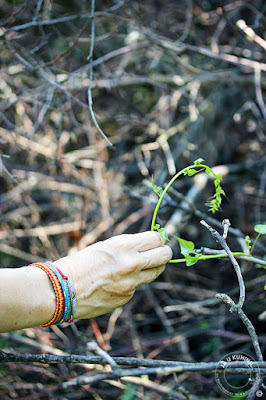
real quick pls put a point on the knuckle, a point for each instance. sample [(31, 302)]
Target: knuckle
[(128, 287), (107, 256), (129, 267), (120, 244), (168, 253), (158, 272), (155, 274), (161, 270), (113, 242), (157, 237), (147, 261), (129, 264)]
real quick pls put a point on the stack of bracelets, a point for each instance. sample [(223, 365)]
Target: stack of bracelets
[(66, 302)]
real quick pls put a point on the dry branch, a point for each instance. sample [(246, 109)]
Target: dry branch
[(237, 308)]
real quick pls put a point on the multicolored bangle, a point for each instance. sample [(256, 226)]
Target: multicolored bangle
[(59, 295), (69, 294), (70, 311), (66, 302)]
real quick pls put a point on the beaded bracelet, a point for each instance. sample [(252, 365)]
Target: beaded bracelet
[(66, 310), (59, 295), (69, 294), (66, 302), (72, 297)]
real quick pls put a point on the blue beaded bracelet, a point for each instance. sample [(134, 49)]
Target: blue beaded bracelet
[(69, 294)]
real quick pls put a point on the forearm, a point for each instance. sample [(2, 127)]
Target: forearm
[(104, 276), (27, 298)]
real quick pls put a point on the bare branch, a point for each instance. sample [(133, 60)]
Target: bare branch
[(160, 367), (226, 224), (257, 80), (93, 346), (180, 47), (90, 57), (251, 35), (237, 308), (219, 239)]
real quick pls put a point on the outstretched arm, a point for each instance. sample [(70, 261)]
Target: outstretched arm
[(105, 276), (27, 298)]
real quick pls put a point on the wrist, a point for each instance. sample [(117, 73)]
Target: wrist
[(27, 298), (64, 293), (39, 291)]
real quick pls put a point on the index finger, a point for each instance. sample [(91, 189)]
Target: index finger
[(148, 240), (137, 241)]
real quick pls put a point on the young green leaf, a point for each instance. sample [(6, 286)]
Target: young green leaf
[(260, 228), (192, 259), (198, 161), (187, 249), (191, 172), (248, 242), (214, 203), (162, 232), (218, 179), (186, 246), (208, 170), (158, 190)]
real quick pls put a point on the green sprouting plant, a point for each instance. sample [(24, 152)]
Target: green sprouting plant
[(261, 230), (198, 166), (187, 248)]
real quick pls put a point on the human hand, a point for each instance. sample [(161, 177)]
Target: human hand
[(106, 274)]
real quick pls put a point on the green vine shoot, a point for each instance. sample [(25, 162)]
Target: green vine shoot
[(187, 248)]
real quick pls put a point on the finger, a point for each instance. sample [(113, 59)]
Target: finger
[(148, 240), (138, 241), (150, 275), (155, 257)]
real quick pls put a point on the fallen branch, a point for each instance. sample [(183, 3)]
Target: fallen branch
[(156, 366)]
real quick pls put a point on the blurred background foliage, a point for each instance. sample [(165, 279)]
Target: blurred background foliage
[(173, 81)]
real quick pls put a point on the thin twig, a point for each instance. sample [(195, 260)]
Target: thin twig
[(93, 346), (237, 308), (43, 74), (160, 80), (236, 266), (114, 53), (160, 371), (259, 96), (45, 107), (256, 385), (90, 58), (251, 35), (180, 47), (66, 51), (38, 8), (60, 20), (3, 168), (226, 224)]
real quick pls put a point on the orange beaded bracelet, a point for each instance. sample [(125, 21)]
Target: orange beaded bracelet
[(60, 299)]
